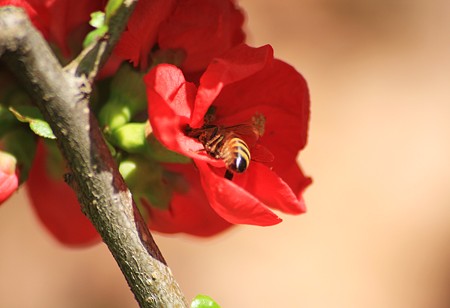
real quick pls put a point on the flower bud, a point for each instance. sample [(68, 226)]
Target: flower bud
[(127, 98), (114, 115), (9, 175), (130, 138), (136, 138), (145, 180)]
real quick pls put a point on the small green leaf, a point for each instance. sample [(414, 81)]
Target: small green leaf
[(95, 35), (41, 128), (204, 301), (31, 116), (97, 19)]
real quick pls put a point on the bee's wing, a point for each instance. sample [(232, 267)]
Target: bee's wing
[(250, 134), (197, 132), (260, 153), (246, 131)]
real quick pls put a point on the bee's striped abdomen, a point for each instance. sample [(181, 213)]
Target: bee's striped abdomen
[(236, 154)]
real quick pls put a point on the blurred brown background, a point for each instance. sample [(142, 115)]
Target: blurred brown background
[(377, 233)]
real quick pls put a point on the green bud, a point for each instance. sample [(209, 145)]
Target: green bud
[(128, 87), (127, 98), (145, 180), (160, 153), (130, 138), (8, 163), (114, 115)]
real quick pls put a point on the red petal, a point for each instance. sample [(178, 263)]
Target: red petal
[(167, 82), (142, 29), (268, 187), (294, 177), (170, 101), (278, 86), (232, 202), (8, 185), (203, 29), (236, 65), (9, 178), (57, 206), (65, 16), (283, 130)]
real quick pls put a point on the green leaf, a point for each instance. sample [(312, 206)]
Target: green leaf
[(204, 301), (97, 19), (32, 116), (95, 35), (41, 128)]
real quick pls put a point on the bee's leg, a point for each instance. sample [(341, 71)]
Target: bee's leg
[(228, 175)]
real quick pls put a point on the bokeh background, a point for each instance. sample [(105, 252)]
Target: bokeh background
[(377, 231)]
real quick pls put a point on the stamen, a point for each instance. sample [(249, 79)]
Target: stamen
[(259, 122)]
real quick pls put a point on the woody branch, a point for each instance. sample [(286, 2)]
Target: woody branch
[(62, 95)]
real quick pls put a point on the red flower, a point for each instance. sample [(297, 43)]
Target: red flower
[(9, 176), (189, 210), (203, 29), (243, 83), (57, 206)]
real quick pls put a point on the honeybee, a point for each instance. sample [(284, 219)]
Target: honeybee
[(227, 143)]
